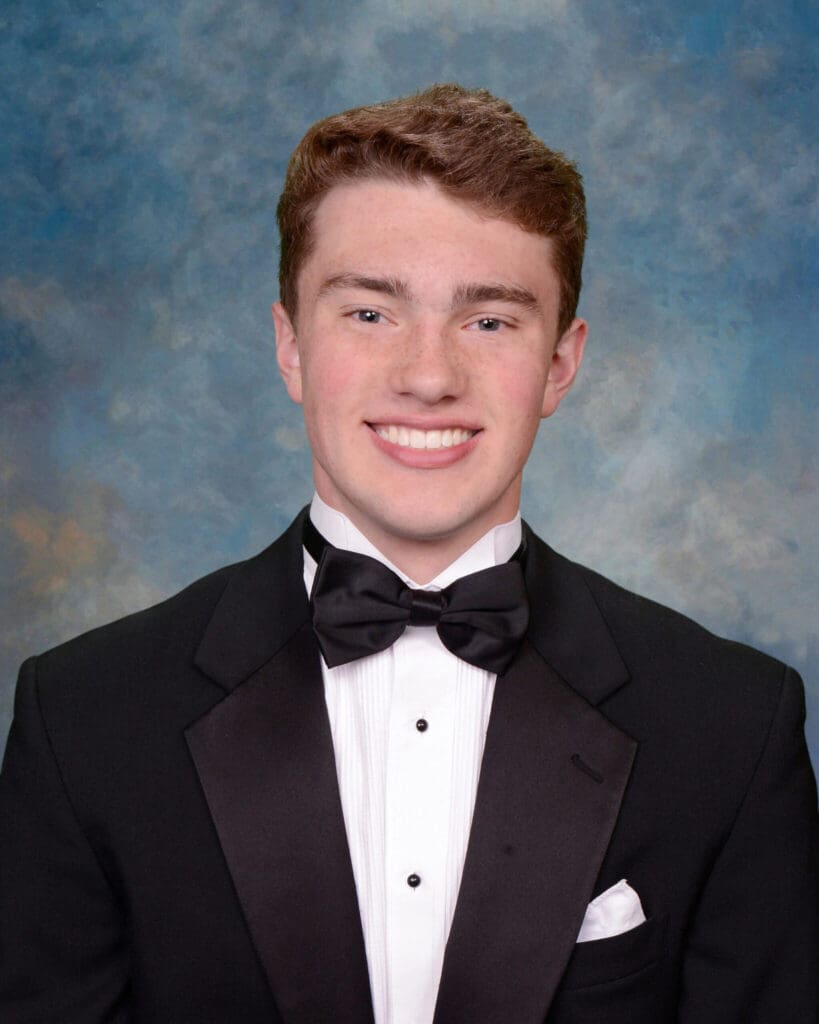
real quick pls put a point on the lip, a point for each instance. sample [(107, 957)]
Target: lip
[(425, 458), (424, 423)]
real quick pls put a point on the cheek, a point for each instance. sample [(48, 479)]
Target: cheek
[(519, 406), (336, 390), (518, 389), (326, 377)]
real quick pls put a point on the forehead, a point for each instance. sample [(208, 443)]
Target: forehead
[(418, 232)]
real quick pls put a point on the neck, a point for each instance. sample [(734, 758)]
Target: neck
[(420, 558)]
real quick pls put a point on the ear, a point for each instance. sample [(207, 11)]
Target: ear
[(566, 359), (287, 352)]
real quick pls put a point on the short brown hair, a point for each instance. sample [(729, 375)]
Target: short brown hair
[(474, 146)]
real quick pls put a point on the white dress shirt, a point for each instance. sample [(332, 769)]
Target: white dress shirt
[(408, 728)]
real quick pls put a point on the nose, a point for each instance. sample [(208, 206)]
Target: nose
[(430, 367)]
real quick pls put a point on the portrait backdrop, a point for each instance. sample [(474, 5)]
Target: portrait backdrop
[(146, 438)]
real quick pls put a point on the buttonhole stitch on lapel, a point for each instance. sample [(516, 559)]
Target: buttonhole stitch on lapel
[(578, 762)]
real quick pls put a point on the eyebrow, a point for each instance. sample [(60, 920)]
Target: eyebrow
[(391, 286), (475, 294), (471, 294)]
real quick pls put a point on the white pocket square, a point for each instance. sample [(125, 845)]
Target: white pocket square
[(613, 912)]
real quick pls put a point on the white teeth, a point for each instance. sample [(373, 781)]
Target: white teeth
[(430, 439)]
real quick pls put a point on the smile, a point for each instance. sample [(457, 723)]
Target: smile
[(406, 437)]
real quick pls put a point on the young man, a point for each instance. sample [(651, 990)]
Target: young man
[(467, 780)]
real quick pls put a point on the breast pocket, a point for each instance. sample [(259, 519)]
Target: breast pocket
[(616, 980)]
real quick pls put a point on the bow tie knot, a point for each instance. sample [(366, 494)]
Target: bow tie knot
[(427, 607), (360, 607)]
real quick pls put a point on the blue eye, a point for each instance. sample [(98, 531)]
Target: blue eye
[(367, 316), (489, 324)]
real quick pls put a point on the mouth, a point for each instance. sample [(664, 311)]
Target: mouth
[(422, 440)]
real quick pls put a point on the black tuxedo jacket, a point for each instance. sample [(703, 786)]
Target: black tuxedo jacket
[(172, 847)]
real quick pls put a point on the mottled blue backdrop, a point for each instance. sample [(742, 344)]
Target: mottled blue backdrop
[(145, 436)]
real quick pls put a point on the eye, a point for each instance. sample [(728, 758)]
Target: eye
[(367, 316), (488, 324)]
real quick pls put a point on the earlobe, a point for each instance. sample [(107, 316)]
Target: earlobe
[(287, 351), (566, 359)]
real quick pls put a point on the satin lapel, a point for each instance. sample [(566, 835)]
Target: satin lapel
[(553, 775), (264, 756)]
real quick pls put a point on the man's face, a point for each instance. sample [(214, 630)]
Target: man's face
[(425, 352)]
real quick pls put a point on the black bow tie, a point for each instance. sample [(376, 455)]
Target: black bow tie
[(360, 607)]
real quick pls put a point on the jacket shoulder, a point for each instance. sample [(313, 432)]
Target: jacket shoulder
[(648, 630), (688, 686), (676, 678), (169, 628), (702, 707)]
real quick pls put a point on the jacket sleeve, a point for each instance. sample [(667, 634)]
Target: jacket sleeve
[(63, 952), (752, 953)]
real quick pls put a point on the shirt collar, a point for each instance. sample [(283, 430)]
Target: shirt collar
[(493, 548)]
